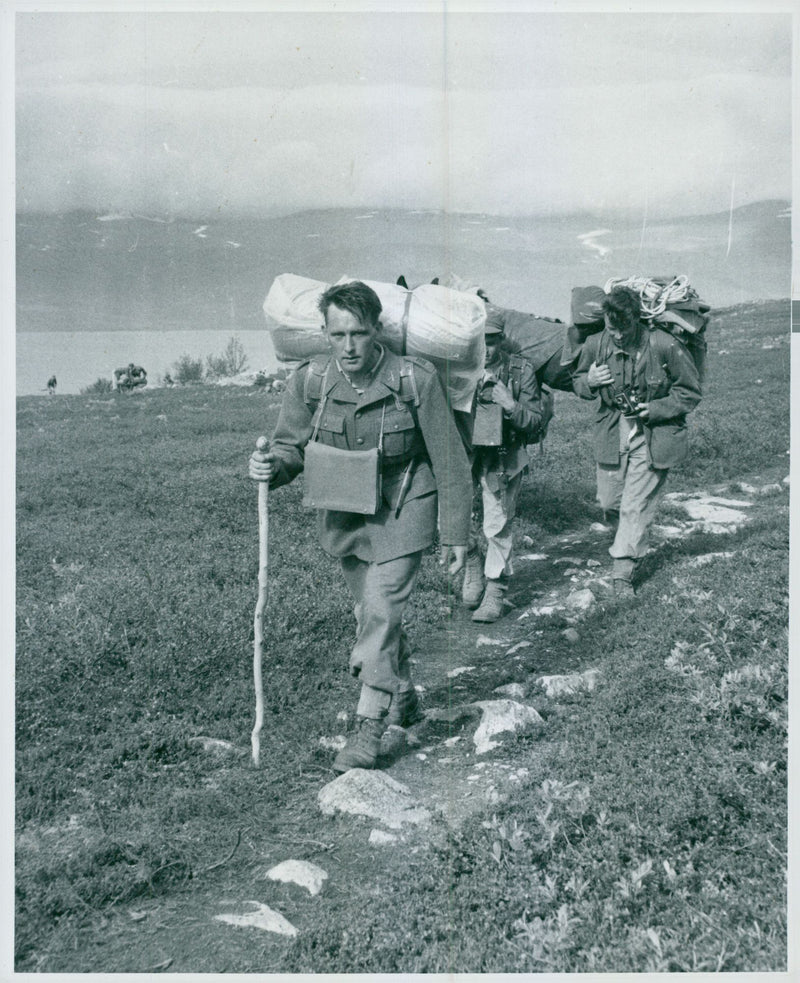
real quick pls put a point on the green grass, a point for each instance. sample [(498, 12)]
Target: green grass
[(652, 832)]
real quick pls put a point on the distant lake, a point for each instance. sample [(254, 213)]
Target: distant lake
[(78, 358)]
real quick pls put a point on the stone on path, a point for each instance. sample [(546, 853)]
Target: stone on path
[(571, 635), (711, 513), (335, 743), (460, 671), (579, 601), (531, 557), (518, 646), (568, 685), (263, 918), (379, 837), (514, 691), (705, 558), (502, 716), (374, 794), (299, 872), (488, 640)]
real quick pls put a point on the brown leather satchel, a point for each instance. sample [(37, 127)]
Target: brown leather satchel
[(342, 480)]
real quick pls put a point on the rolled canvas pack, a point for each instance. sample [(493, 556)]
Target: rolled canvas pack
[(341, 480), (442, 325)]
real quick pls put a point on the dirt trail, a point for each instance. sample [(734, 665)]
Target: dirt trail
[(445, 764)]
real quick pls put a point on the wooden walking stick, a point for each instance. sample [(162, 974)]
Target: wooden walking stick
[(262, 444)]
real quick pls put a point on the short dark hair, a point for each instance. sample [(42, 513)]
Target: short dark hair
[(356, 297), (623, 304)]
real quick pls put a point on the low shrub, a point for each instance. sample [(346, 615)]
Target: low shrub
[(99, 387), (188, 369), (231, 361)]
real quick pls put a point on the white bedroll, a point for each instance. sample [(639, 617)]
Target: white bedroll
[(437, 323)]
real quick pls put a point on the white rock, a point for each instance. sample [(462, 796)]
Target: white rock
[(527, 540), (379, 837), (705, 558), (502, 716), (580, 600), (786, 479), (263, 918), (668, 532), (572, 560), (374, 794), (773, 489), (487, 640), (460, 671), (299, 872), (451, 741), (593, 563), (576, 682), (571, 635), (514, 691), (599, 527), (518, 646), (333, 743), (531, 557)]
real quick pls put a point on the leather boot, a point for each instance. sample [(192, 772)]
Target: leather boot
[(492, 604), (362, 747), (405, 710), (472, 588)]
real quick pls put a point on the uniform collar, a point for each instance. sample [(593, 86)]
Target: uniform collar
[(385, 382)]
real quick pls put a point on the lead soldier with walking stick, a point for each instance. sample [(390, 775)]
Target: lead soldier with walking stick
[(382, 459)]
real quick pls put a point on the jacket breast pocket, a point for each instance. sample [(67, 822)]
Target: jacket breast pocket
[(331, 428), (399, 432)]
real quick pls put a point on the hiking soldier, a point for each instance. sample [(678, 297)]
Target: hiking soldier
[(647, 383), (509, 413), (364, 407)]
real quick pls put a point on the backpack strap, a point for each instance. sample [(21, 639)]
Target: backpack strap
[(516, 364), (315, 380)]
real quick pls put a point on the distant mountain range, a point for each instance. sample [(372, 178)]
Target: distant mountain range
[(81, 271)]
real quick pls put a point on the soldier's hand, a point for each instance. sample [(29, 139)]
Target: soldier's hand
[(643, 413), (599, 375), (262, 467), (453, 558), (503, 396)]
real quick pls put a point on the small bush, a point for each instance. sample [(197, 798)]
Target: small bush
[(98, 388), (230, 362), (188, 369)]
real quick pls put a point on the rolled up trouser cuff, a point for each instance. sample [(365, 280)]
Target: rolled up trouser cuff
[(373, 703), (623, 568)]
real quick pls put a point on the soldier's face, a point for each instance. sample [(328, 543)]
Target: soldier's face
[(352, 342)]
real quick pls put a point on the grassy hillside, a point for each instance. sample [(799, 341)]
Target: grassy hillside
[(650, 835)]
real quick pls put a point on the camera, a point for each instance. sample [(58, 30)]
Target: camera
[(627, 400)]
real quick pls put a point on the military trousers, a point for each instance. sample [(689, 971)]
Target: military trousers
[(635, 488), (380, 658), (499, 510)]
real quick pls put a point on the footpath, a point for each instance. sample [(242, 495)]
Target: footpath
[(437, 774)]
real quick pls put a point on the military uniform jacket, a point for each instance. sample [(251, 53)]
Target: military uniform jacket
[(406, 400), (520, 425), (665, 377)]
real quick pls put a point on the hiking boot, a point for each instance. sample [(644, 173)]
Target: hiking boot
[(472, 588), (405, 710), (362, 747), (623, 589), (492, 604)]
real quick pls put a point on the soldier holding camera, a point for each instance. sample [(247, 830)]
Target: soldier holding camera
[(647, 382), (508, 415), (382, 459)]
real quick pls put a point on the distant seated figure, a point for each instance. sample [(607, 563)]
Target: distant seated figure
[(52, 382), (130, 377)]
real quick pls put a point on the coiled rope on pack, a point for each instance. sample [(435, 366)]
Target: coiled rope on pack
[(655, 295)]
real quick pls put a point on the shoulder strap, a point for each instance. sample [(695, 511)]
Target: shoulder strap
[(409, 393), (315, 380)]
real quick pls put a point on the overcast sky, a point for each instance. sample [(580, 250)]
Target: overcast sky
[(196, 113)]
